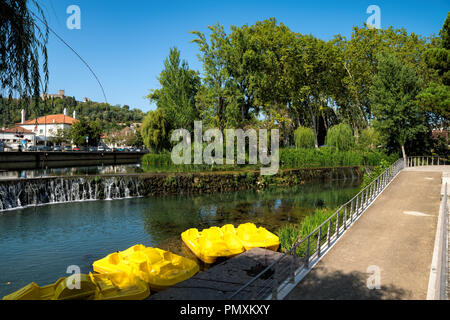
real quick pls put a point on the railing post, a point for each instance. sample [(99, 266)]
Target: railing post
[(337, 224), (293, 265), (345, 217), (367, 195), (307, 252), (328, 232), (318, 241), (356, 205), (351, 211)]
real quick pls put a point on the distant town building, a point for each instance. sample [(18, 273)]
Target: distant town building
[(60, 94), (118, 138), (47, 126), (16, 136), (86, 99)]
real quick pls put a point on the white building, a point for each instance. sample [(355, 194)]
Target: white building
[(47, 126), (14, 137)]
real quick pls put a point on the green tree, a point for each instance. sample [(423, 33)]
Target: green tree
[(84, 128), (310, 77), (340, 137), (359, 59), (179, 85), (398, 117), (435, 98), (155, 131), (369, 138), (212, 95), (61, 136), (22, 48), (304, 137)]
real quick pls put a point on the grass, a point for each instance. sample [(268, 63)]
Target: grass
[(290, 158), (292, 233)]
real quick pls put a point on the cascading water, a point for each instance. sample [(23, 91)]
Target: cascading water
[(30, 192)]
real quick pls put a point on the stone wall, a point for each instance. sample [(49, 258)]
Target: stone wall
[(198, 183)]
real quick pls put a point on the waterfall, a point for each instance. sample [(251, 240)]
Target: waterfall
[(22, 193)]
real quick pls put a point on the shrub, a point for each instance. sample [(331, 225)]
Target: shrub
[(340, 137), (369, 139), (304, 137), (155, 131), (291, 233)]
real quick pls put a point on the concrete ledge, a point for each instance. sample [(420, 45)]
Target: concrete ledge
[(220, 281)]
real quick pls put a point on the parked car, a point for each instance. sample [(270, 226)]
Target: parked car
[(92, 149), (108, 150), (101, 149), (32, 148), (67, 148), (76, 149), (132, 149), (44, 148), (57, 148)]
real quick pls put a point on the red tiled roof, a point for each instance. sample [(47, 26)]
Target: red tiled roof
[(52, 118), (16, 129)]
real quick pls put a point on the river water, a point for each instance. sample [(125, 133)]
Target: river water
[(39, 243)]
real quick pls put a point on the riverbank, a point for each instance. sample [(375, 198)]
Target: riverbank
[(210, 182), (19, 193)]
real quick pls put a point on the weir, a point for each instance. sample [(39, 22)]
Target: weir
[(16, 194), (20, 193)]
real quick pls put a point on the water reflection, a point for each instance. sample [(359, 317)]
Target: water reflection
[(71, 171), (166, 217), (38, 244)]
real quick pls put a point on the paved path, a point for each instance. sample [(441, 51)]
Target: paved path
[(396, 234)]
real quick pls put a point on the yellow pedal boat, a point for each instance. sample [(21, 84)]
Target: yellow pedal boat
[(115, 286), (159, 268), (212, 243), (225, 242), (253, 237)]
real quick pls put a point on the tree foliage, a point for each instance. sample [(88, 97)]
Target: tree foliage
[(155, 130), (340, 137), (179, 85), (304, 137), (393, 97), (84, 128), (265, 75), (435, 98), (22, 47)]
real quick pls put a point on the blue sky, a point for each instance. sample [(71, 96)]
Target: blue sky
[(125, 42)]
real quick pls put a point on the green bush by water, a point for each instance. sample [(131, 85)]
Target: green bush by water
[(292, 233), (290, 158), (304, 137), (340, 137)]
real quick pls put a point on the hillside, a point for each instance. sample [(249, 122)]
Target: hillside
[(110, 117)]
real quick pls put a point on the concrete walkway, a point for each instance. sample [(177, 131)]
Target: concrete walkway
[(395, 236)]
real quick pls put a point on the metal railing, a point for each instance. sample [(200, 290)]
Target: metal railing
[(286, 271), (421, 161)]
